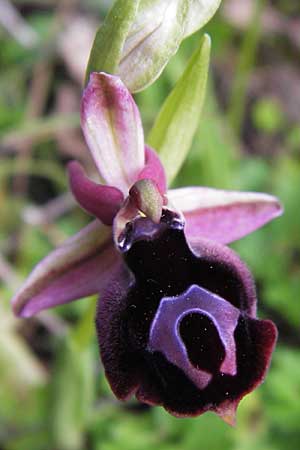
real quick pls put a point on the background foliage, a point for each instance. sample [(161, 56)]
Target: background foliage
[(53, 394)]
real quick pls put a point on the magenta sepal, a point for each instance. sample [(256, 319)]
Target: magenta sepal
[(81, 266), (88, 278)]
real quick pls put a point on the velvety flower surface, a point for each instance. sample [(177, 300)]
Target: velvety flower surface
[(176, 318), (179, 328)]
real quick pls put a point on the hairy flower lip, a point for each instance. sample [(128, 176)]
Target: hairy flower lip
[(125, 317), (264, 335)]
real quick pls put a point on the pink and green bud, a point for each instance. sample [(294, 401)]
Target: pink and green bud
[(138, 37)]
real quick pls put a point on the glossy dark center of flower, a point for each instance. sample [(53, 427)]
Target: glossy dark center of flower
[(164, 265), (203, 344)]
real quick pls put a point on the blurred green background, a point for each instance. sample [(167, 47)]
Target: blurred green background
[(53, 395)]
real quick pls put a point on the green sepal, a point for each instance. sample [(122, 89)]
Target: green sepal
[(178, 119)]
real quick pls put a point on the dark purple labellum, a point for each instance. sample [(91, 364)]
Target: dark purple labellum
[(178, 328)]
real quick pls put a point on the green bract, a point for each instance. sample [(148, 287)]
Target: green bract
[(177, 121), (138, 38), (154, 37), (199, 13)]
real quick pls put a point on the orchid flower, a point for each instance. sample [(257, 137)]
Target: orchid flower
[(176, 318)]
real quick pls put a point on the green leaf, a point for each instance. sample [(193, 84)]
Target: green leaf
[(109, 41), (214, 147), (177, 121)]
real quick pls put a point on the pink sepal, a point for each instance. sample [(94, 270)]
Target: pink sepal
[(223, 216), (113, 130), (81, 266)]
